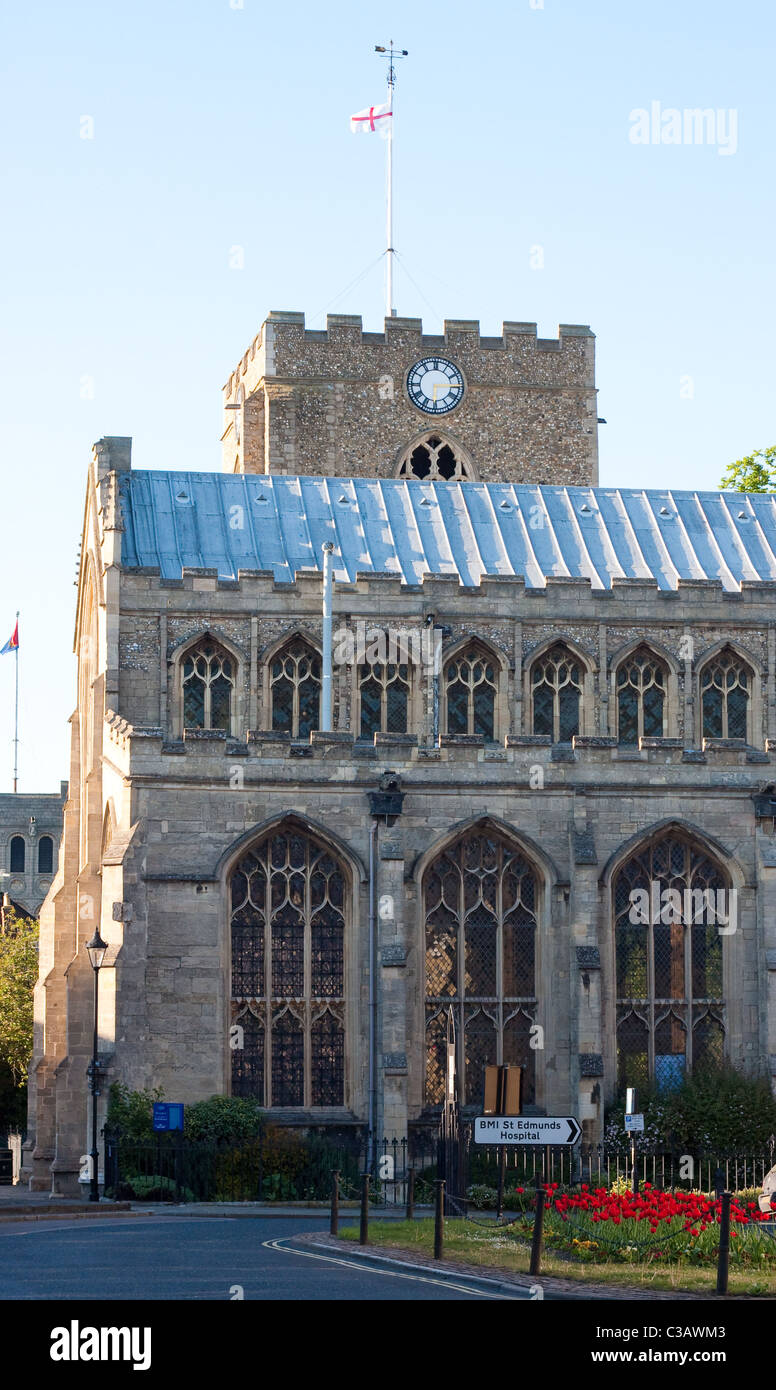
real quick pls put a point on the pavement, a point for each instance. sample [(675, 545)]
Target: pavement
[(139, 1255)]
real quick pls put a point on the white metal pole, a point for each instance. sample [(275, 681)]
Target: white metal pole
[(326, 672), (389, 308), (16, 713)]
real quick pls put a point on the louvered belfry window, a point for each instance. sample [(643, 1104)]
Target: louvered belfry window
[(670, 901), (480, 902), (725, 686), (208, 687), (287, 897), (434, 459)]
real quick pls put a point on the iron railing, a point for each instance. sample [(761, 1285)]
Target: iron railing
[(281, 1166)]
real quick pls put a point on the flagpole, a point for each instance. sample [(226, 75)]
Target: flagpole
[(392, 52), (389, 306), (16, 716)]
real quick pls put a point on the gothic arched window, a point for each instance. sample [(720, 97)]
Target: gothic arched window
[(671, 903), (45, 855), (287, 913), (295, 688), (433, 458), (207, 675), (480, 907), (556, 688), (17, 855), (725, 686), (384, 696), (642, 681), (470, 685)]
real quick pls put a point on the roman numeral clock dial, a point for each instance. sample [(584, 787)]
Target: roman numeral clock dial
[(435, 385)]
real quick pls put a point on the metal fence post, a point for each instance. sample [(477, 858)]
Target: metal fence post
[(536, 1242), (724, 1245), (439, 1219), (363, 1234), (334, 1221), (411, 1195)]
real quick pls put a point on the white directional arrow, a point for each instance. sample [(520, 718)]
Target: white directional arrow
[(526, 1129)]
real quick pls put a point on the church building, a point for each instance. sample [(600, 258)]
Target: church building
[(544, 798)]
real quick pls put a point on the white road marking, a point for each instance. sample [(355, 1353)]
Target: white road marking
[(387, 1273)]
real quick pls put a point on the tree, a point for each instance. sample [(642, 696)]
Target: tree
[(754, 473), (18, 973)]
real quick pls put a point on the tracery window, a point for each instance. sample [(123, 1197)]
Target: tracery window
[(671, 901), (556, 686), (480, 909), (295, 688), (470, 693), (208, 687), (287, 897), (725, 686), (45, 855), (433, 458), (384, 694), (17, 854), (641, 697)]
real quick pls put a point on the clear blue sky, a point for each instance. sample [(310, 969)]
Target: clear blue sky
[(217, 127)]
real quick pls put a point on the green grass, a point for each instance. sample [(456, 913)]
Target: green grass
[(507, 1248)]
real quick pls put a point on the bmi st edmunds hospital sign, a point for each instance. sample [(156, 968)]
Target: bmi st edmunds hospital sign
[(526, 1129)]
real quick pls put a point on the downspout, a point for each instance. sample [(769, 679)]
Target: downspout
[(372, 1118), (326, 661)]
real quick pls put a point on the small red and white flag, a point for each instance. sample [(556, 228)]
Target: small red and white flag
[(373, 119)]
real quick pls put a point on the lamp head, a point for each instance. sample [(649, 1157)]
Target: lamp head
[(96, 949)]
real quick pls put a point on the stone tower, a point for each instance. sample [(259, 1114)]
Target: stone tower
[(338, 403)]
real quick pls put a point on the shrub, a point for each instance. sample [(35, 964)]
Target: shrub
[(715, 1111), (223, 1119), (132, 1112)]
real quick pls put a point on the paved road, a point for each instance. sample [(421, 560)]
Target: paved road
[(147, 1257)]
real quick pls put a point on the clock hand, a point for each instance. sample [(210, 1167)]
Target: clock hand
[(448, 386)]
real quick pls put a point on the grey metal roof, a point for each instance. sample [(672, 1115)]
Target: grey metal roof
[(229, 522)]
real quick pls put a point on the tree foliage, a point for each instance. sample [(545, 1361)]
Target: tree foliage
[(18, 974), (755, 472)]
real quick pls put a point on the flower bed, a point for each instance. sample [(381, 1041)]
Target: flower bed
[(654, 1225)]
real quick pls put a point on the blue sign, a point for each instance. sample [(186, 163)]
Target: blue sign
[(167, 1115)]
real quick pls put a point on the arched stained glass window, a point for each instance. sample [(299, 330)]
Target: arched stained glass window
[(207, 674), (470, 684), (725, 687), (295, 688), (287, 896), (642, 681), (480, 908), (17, 855), (384, 694), (556, 689), (671, 900)]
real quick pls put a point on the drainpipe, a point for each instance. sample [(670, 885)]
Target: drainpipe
[(326, 663), (372, 990)]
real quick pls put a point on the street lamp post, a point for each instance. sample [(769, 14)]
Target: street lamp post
[(96, 949)]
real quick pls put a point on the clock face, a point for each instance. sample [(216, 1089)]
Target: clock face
[(435, 385)]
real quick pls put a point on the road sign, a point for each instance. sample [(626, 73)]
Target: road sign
[(633, 1122), (503, 1090), (526, 1129), (167, 1115)]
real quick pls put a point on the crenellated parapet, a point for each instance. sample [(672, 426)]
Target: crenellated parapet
[(336, 400)]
